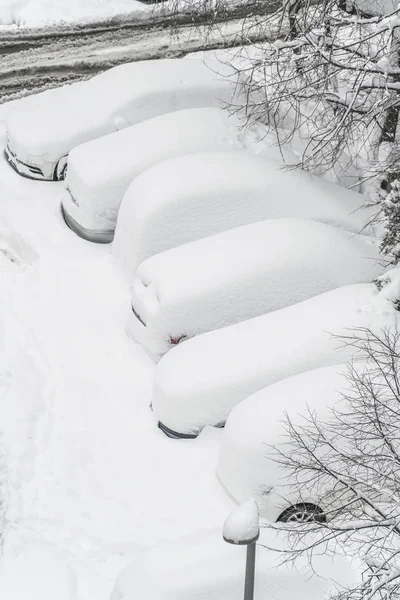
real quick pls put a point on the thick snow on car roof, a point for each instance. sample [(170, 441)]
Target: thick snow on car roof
[(219, 191), (51, 124), (100, 171), (204, 567), (246, 272), (257, 423), (200, 381)]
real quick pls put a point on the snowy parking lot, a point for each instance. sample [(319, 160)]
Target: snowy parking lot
[(91, 481), (245, 204), (88, 480)]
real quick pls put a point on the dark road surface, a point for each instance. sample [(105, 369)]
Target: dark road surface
[(33, 60)]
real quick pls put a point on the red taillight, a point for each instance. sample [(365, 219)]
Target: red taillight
[(175, 340)]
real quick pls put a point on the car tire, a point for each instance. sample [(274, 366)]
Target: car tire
[(302, 513), (61, 169)]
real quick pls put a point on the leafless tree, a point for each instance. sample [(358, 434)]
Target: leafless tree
[(328, 80), (352, 461)]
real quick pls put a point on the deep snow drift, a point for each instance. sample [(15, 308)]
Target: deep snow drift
[(205, 567)]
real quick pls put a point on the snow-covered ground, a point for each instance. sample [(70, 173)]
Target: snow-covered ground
[(42, 13), (205, 567), (90, 480)]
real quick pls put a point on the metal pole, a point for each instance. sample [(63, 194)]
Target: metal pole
[(250, 571)]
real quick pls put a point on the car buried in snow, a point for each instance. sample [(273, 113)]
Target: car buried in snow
[(240, 274), (42, 129), (199, 382), (256, 431), (218, 191), (100, 171)]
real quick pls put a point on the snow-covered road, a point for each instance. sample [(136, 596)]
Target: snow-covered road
[(89, 479), (33, 60)]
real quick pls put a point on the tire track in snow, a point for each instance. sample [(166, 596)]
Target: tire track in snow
[(33, 60)]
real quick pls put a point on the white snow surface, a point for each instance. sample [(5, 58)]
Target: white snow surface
[(205, 567), (243, 273), (200, 381), (243, 523), (215, 191), (245, 463), (100, 172), (44, 128), (44, 13), (90, 481)]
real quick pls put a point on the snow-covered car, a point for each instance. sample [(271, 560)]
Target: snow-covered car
[(100, 171), (246, 466), (199, 382), (242, 273), (203, 566), (219, 191), (43, 129)]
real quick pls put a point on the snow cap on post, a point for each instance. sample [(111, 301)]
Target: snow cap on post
[(242, 525)]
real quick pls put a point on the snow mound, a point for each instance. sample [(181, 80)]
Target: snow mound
[(204, 566), (243, 524), (242, 273), (100, 171), (200, 381), (219, 191)]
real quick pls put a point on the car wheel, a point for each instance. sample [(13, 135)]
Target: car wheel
[(61, 169), (302, 513)]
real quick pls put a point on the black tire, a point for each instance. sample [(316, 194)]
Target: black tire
[(302, 513), (61, 169)]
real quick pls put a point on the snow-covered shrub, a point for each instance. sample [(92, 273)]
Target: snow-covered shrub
[(388, 284), (390, 246)]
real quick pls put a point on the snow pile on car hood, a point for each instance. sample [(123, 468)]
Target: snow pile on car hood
[(190, 197), (200, 381)]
